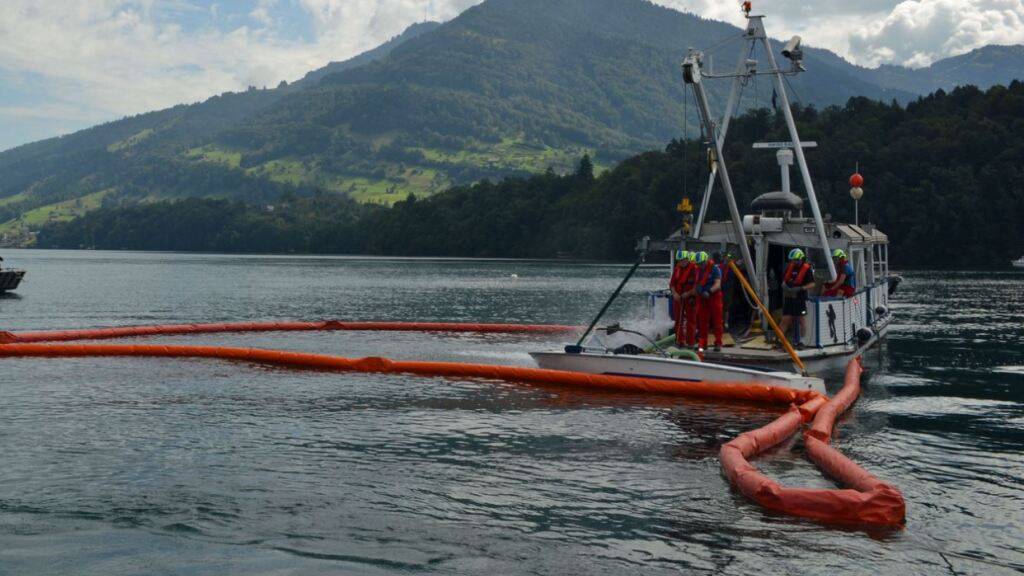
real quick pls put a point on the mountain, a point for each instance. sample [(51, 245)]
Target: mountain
[(947, 162), (414, 31), (507, 87), (984, 67)]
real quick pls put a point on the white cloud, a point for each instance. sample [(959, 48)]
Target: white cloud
[(918, 32), (110, 58)]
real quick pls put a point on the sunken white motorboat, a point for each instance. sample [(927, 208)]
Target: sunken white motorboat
[(662, 361), (835, 328), (1018, 263)]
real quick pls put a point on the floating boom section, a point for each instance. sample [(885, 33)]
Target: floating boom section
[(326, 325), (866, 501), (736, 392)]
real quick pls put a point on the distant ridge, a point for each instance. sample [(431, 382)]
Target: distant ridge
[(984, 67), (367, 57)]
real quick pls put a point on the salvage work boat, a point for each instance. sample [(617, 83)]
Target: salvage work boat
[(837, 328)]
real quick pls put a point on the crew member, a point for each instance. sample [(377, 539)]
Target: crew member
[(846, 283), (675, 285), (709, 303), (797, 281), (686, 335)]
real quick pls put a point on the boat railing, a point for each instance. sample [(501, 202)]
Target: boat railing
[(836, 321)]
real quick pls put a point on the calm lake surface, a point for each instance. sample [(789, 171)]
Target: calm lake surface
[(145, 466)]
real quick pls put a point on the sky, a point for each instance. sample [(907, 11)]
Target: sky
[(69, 64)]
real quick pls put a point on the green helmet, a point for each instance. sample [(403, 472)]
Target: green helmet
[(701, 257), (839, 254), (797, 254), (683, 256)]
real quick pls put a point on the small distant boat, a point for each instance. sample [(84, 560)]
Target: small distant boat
[(1018, 263), (10, 278)]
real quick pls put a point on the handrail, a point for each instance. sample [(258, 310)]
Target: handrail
[(768, 315)]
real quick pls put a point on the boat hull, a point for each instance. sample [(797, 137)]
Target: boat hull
[(655, 367)]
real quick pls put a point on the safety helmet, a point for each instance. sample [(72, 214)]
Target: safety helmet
[(797, 254), (839, 254), (684, 255), (701, 257)]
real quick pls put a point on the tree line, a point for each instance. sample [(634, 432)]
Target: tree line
[(944, 180)]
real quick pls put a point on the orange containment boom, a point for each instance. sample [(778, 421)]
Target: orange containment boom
[(866, 501), (172, 329), (747, 392)]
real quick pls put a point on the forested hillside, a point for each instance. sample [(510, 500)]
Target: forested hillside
[(944, 180), (509, 87)]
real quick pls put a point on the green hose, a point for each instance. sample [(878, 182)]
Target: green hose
[(667, 344)]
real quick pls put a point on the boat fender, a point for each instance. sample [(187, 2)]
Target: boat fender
[(881, 311), (864, 334)]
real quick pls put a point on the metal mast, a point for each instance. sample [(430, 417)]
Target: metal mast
[(730, 111), (756, 29), (692, 76)]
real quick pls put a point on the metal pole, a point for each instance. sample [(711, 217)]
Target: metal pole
[(780, 89), (693, 78), (730, 110), (608, 304), (856, 212)]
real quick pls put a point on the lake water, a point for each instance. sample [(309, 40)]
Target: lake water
[(144, 466)]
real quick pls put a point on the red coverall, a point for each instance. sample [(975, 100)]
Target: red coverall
[(710, 308), (683, 280)]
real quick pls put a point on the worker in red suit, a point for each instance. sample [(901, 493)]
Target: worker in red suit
[(684, 278), (709, 301)]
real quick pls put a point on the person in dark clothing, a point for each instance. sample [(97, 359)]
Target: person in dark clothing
[(797, 282)]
